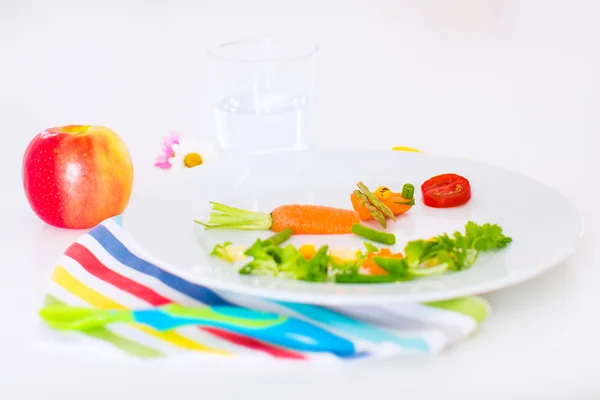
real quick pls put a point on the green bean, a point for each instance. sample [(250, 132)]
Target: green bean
[(408, 191), (374, 235), (280, 237)]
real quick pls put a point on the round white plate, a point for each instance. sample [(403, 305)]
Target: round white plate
[(544, 225)]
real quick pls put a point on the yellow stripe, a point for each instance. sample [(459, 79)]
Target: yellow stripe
[(70, 283)]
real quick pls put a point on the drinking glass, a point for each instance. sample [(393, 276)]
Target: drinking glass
[(263, 95)]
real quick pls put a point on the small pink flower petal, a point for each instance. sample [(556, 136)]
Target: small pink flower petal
[(166, 152), (163, 164)]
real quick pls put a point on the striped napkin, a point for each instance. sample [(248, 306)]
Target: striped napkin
[(103, 270)]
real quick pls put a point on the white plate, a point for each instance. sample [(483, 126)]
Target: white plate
[(544, 225)]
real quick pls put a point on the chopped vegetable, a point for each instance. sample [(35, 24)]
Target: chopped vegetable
[(307, 251), (408, 191), (337, 268), (370, 266), (447, 190), (343, 254), (395, 266), (459, 251), (317, 266), (397, 203), (370, 248), (301, 219), (280, 237), (375, 201), (361, 202), (220, 251), (374, 235), (421, 258), (358, 278), (383, 192), (292, 264)]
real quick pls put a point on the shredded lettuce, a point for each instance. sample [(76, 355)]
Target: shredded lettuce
[(437, 255)]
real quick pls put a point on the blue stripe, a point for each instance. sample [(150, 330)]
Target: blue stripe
[(349, 326), (121, 253), (343, 324), (292, 333)]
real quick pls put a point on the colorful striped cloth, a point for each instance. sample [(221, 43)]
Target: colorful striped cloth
[(103, 270)]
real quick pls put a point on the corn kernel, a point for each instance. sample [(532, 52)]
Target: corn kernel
[(383, 192)]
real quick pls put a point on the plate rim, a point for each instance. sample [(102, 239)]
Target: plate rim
[(329, 300)]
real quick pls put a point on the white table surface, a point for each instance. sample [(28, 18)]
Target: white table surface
[(512, 83)]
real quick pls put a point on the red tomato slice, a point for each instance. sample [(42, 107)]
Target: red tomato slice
[(447, 190)]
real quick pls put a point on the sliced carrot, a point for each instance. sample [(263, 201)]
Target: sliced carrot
[(393, 203), (372, 268), (360, 208), (311, 219), (383, 252)]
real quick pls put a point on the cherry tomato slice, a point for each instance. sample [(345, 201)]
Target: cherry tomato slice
[(446, 190)]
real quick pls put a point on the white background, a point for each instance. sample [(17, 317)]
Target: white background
[(512, 83)]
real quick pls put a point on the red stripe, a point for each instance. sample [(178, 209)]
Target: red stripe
[(254, 344), (91, 264)]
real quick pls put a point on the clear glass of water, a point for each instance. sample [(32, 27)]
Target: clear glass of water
[(263, 95)]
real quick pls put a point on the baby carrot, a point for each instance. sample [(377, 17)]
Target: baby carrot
[(300, 219), (310, 219)]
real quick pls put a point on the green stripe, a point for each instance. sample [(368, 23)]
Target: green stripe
[(126, 345), (474, 307)]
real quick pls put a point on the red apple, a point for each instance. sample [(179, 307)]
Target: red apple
[(76, 176)]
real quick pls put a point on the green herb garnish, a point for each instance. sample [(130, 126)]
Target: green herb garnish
[(459, 251)]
